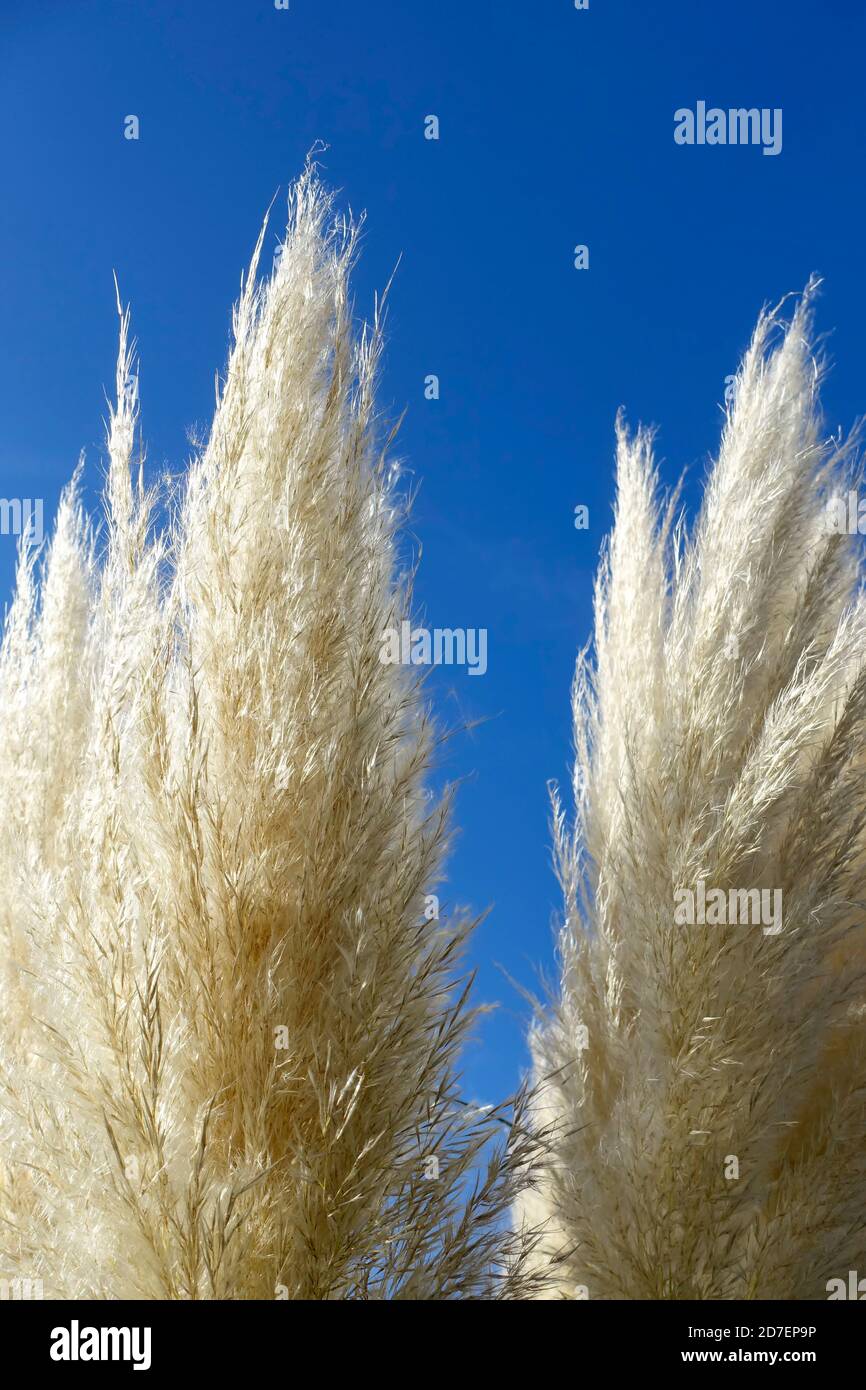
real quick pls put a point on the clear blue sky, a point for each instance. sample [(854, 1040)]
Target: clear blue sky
[(556, 129)]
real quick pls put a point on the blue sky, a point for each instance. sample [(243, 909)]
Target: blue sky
[(556, 129)]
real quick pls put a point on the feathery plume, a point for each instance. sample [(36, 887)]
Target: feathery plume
[(228, 1030), (703, 1060)]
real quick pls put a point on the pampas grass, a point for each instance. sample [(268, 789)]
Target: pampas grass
[(228, 1030), (706, 1081)]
